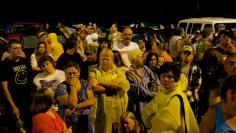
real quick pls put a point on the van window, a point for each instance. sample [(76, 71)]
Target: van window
[(190, 26), (183, 25), (196, 27), (207, 26)]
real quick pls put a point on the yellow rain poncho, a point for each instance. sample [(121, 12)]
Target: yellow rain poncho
[(163, 114), (56, 47)]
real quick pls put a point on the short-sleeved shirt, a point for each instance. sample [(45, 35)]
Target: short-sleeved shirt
[(18, 75), (64, 88), (124, 50), (49, 81)]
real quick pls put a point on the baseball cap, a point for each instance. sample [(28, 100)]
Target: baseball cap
[(42, 33), (187, 48)]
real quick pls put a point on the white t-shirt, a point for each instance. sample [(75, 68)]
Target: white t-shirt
[(172, 45), (49, 81), (124, 51)]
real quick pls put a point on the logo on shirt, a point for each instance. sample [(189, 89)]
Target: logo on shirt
[(21, 77)]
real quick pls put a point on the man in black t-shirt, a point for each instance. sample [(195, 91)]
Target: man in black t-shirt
[(16, 82)]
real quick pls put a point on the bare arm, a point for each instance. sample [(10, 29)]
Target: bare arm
[(178, 46), (94, 83), (208, 121), (34, 63), (113, 84), (89, 102), (63, 99), (36, 69), (15, 110), (73, 99)]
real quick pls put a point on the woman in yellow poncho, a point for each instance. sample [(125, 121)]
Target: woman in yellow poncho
[(164, 113)]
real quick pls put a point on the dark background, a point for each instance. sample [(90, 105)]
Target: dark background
[(105, 12)]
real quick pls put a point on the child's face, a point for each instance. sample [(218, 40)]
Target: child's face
[(129, 124)]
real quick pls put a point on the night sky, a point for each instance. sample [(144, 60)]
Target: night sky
[(126, 11)]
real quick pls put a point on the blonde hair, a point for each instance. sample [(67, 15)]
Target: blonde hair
[(106, 52), (130, 115), (127, 114), (133, 53)]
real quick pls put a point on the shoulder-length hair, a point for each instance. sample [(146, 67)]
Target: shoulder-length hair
[(36, 51), (149, 57), (117, 58), (130, 115), (42, 101)]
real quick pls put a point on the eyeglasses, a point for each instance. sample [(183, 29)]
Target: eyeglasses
[(71, 73), (169, 76), (187, 53)]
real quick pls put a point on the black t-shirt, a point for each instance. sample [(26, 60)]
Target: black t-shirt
[(19, 77)]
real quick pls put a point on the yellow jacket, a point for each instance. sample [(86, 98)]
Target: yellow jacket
[(56, 47), (163, 114)]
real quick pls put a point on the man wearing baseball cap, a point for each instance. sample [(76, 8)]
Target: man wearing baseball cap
[(194, 75)]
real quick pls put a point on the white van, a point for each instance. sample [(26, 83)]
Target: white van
[(191, 25)]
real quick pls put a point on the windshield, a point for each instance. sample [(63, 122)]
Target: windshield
[(31, 29)]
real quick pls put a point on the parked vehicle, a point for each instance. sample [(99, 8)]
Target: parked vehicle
[(25, 32), (191, 25), (3, 29), (3, 46)]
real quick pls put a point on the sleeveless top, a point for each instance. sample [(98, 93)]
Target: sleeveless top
[(219, 119)]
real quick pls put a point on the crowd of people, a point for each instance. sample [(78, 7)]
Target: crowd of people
[(92, 83)]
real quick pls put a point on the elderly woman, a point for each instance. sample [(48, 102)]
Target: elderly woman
[(143, 83), (110, 86), (75, 98), (170, 110)]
